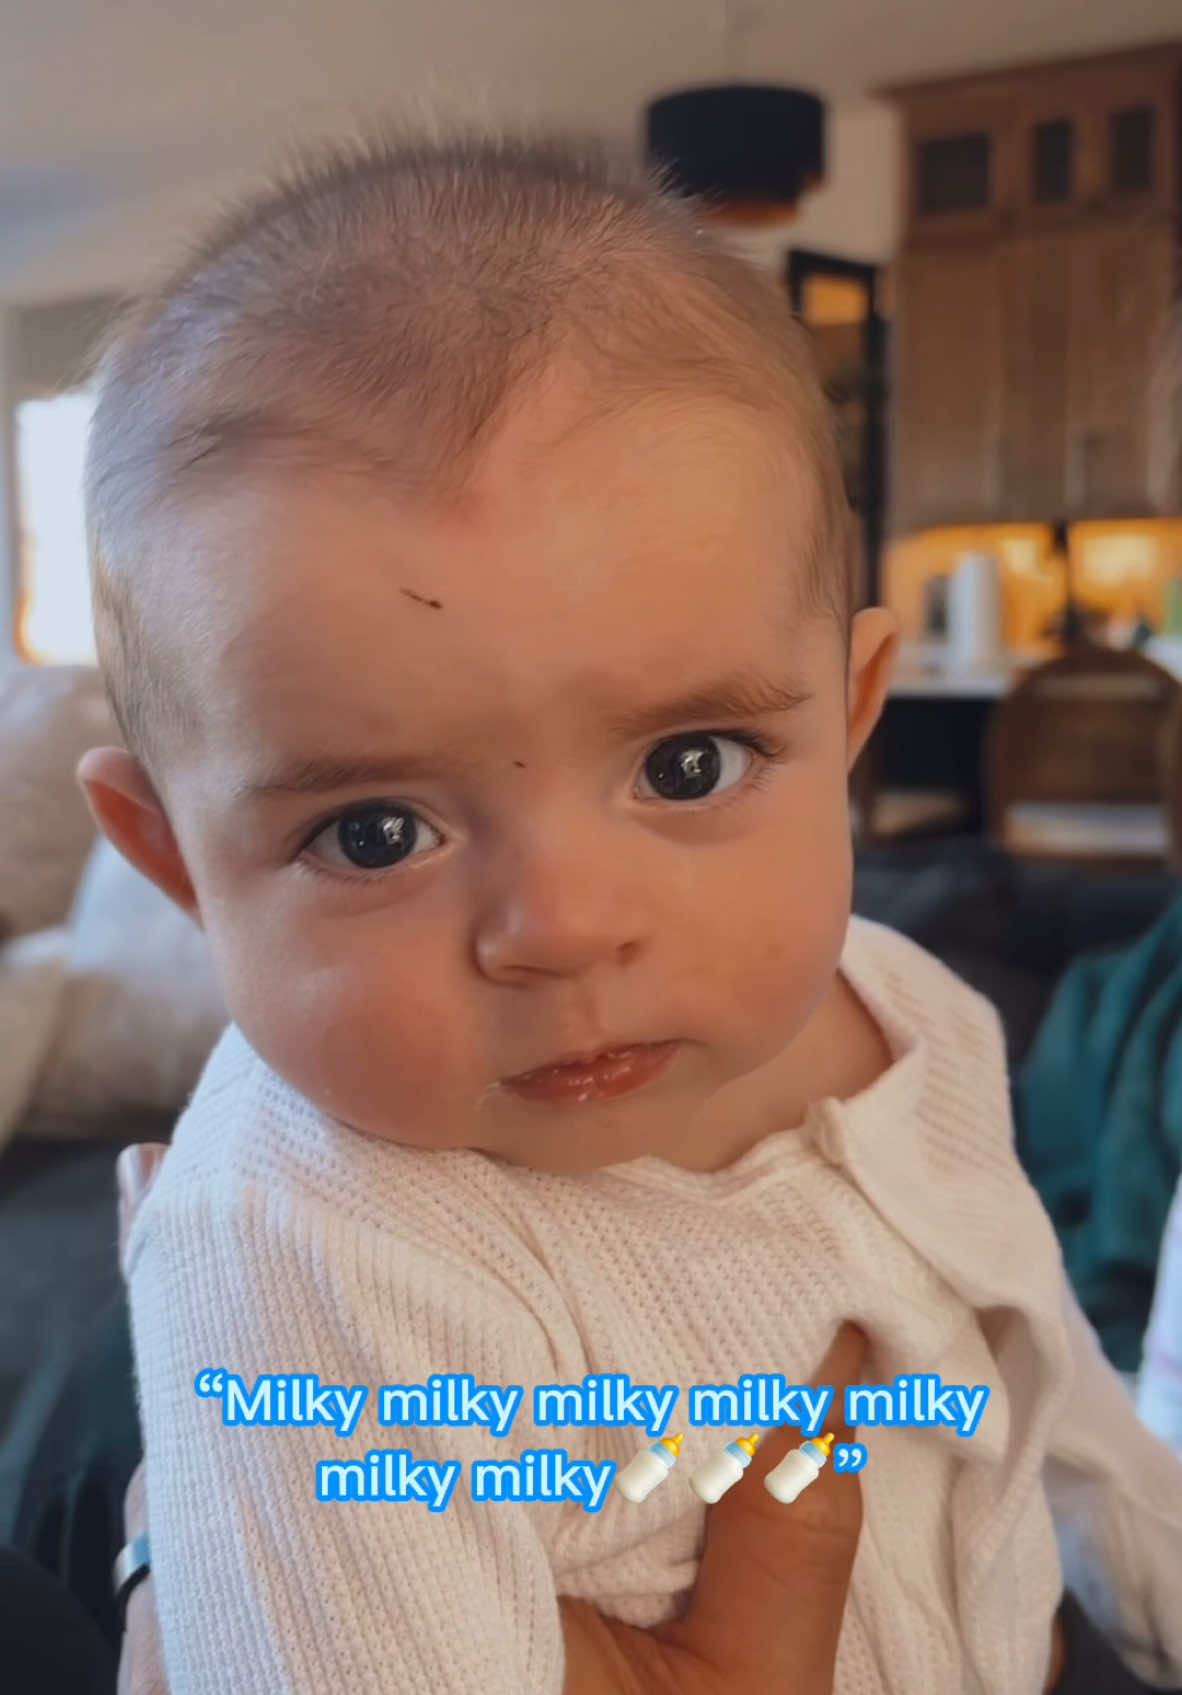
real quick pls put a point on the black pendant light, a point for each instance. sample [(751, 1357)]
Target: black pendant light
[(750, 149)]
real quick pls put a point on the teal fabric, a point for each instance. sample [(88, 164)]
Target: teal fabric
[(1098, 1108)]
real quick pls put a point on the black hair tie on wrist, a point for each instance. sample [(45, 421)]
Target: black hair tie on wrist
[(132, 1565)]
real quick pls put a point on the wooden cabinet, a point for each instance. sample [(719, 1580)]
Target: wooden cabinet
[(1036, 295), (946, 408), (1120, 299), (1036, 272)]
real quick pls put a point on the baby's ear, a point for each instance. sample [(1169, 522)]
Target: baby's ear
[(127, 810), (874, 642)]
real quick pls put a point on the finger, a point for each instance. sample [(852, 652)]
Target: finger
[(135, 1504), (773, 1577), (135, 1171)]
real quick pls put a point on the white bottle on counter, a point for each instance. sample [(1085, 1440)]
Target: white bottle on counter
[(975, 621), (651, 1466), (716, 1475), (800, 1468)]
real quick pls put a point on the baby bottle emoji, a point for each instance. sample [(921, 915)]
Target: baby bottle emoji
[(651, 1466), (715, 1476), (800, 1468)]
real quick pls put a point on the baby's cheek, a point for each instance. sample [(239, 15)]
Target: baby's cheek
[(790, 961), (784, 961), (370, 1039), (390, 1065)]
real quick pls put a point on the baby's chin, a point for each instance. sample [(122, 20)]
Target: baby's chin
[(581, 1141), (697, 1120)]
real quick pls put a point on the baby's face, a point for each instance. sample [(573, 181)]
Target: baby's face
[(448, 822)]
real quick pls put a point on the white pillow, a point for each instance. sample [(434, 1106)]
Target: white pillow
[(32, 987), (141, 1009), (49, 716)]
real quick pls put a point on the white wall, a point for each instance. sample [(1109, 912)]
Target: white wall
[(53, 344), (117, 247), (9, 516)]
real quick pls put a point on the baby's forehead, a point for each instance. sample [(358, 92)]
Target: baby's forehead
[(558, 495), (654, 503), (329, 612), (627, 469)]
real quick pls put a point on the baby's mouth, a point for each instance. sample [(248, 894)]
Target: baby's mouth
[(577, 1061), (595, 1076)]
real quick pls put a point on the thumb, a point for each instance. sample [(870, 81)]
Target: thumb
[(773, 1577)]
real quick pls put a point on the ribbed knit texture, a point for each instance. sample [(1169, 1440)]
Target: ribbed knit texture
[(277, 1241)]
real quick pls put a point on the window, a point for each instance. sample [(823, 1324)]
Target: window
[(54, 624), (1131, 145), (954, 174), (1054, 161)]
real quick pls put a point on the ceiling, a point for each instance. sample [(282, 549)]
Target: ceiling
[(118, 118)]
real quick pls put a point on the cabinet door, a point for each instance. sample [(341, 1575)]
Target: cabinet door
[(1119, 313), (1036, 280), (961, 164), (947, 373)]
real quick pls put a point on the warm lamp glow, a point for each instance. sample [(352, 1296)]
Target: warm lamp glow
[(1119, 567)]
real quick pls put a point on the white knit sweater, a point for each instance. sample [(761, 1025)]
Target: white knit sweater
[(276, 1241)]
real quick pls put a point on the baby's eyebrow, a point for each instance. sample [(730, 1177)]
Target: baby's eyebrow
[(739, 695), (323, 773)]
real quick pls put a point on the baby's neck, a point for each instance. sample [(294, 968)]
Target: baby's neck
[(840, 1052)]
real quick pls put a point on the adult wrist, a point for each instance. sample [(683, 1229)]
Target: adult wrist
[(132, 1565)]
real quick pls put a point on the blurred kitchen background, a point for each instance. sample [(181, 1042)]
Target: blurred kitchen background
[(978, 212)]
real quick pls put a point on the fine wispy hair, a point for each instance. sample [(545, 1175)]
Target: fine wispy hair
[(376, 308)]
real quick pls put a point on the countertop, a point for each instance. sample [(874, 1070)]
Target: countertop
[(926, 669)]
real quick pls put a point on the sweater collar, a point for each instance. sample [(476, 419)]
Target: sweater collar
[(930, 1145), (933, 1153), (892, 1097)]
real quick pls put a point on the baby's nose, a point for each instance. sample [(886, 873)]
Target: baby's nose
[(559, 914)]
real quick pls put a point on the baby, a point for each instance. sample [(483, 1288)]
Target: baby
[(474, 586)]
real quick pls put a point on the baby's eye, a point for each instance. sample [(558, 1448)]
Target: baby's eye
[(376, 837), (688, 766)]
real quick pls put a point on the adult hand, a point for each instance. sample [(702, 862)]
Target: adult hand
[(772, 1583), (771, 1589), (141, 1664)]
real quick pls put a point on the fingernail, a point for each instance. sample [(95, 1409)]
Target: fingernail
[(130, 1173)]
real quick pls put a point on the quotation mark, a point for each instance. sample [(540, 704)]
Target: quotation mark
[(849, 1456), (210, 1382)]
